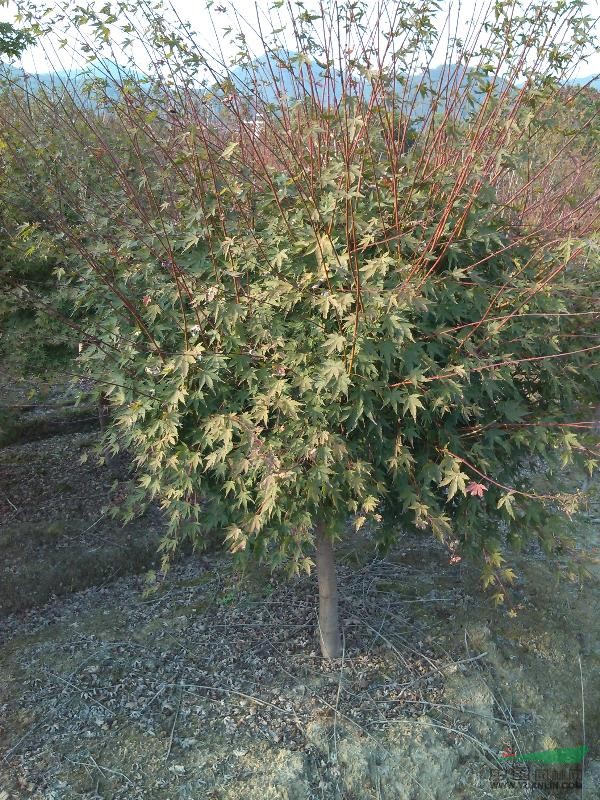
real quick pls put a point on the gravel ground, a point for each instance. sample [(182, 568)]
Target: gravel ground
[(217, 656), (213, 687), (56, 532)]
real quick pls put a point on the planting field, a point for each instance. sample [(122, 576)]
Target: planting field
[(213, 687), (299, 400)]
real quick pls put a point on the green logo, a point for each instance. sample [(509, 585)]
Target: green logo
[(562, 755)]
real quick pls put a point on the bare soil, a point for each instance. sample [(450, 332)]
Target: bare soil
[(213, 687)]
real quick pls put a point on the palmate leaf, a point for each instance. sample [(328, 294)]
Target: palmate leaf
[(455, 480), (506, 503), (334, 343), (333, 376), (513, 410), (299, 314), (229, 150), (411, 404)]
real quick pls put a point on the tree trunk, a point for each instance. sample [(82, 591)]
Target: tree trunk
[(329, 626)]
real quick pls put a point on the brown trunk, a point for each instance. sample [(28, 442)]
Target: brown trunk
[(329, 627)]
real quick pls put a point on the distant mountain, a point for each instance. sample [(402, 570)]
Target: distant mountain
[(74, 79), (270, 78), (284, 76), (592, 80)]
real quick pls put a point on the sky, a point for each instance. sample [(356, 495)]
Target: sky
[(34, 59)]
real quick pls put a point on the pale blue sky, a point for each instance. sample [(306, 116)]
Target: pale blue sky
[(194, 11)]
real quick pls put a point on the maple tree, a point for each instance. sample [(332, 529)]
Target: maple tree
[(315, 284), (13, 41)]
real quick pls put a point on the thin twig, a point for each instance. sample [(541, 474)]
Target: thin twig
[(170, 745), (111, 771), (582, 725), (250, 697), (93, 524), (13, 506), (338, 693)]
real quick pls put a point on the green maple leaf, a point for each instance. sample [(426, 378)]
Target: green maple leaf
[(412, 403)]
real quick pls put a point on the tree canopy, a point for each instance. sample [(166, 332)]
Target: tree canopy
[(340, 305), (13, 41)]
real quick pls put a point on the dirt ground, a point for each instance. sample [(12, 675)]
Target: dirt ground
[(213, 687)]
